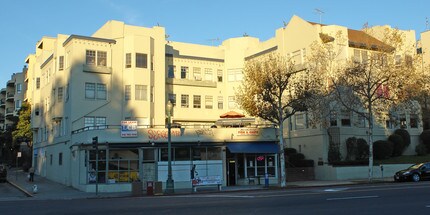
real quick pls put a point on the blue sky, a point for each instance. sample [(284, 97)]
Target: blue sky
[(24, 22)]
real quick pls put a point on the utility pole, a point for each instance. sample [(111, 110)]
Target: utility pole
[(96, 146)]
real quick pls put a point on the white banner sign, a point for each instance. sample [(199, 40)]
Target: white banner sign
[(128, 128)]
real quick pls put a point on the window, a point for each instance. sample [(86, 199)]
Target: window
[(197, 73), (18, 88), (60, 94), (18, 104), (141, 60), (99, 93), (231, 102), (123, 165), (403, 121), (60, 159), (197, 101), (219, 75), (37, 83), (61, 63), (300, 121), (234, 75), (91, 122), (184, 72), (220, 102), (172, 98), (398, 59), (127, 92), (345, 119), (333, 118), (184, 101), (90, 90), (357, 57), (296, 57), (360, 121), (128, 60), (413, 121), (171, 71), (141, 92), (364, 57), (208, 74), (208, 102), (91, 57)]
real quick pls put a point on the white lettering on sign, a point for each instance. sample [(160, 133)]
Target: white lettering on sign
[(128, 128)]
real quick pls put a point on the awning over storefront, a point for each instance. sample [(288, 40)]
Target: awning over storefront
[(253, 147)]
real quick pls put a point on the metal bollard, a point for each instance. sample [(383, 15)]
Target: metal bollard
[(266, 180)]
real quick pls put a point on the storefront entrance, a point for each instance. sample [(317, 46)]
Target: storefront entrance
[(231, 172)]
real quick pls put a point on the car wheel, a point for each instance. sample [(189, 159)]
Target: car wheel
[(415, 177)]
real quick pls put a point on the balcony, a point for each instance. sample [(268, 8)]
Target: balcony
[(10, 96), (11, 83), (10, 112), (3, 91), (2, 102)]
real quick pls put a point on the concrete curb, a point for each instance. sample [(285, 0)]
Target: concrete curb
[(28, 194)]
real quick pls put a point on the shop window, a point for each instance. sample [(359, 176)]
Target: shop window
[(123, 165), (148, 155), (213, 153), (101, 173), (182, 154)]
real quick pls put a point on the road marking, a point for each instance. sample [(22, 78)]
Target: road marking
[(210, 196), (352, 197), (335, 189), (427, 206)]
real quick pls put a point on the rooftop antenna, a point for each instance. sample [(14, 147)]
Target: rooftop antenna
[(213, 40), (320, 12)]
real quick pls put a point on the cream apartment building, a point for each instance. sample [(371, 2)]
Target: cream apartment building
[(115, 85)]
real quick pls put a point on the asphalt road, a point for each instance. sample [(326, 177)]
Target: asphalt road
[(392, 198)]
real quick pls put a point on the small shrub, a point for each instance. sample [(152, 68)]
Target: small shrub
[(351, 148), (398, 144), (289, 151), (382, 149), (405, 136), (421, 149), (362, 149), (333, 153)]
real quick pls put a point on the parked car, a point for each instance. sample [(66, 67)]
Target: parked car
[(3, 173), (415, 173)]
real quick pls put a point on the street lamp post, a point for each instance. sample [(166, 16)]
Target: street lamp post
[(169, 182)]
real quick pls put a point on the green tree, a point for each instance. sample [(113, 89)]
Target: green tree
[(23, 132), (274, 88)]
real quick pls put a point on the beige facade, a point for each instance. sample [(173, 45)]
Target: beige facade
[(115, 85)]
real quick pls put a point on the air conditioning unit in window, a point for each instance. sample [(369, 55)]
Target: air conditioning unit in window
[(198, 78)]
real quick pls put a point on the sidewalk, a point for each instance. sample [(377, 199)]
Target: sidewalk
[(49, 190)]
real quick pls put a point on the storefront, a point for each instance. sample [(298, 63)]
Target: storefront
[(240, 156)]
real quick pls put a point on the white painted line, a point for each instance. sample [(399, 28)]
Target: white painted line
[(209, 196), (335, 189), (353, 197), (427, 206)]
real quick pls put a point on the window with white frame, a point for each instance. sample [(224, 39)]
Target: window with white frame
[(208, 102), (403, 121), (185, 101), (300, 121), (18, 104), (18, 88), (127, 92), (234, 75), (93, 122), (197, 73), (96, 91), (91, 57), (141, 92), (37, 83), (345, 119), (60, 94), (231, 102), (220, 102), (61, 63), (184, 72), (197, 101), (141, 60), (219, 75), (208, 74), (413, 120), (128, 60)]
